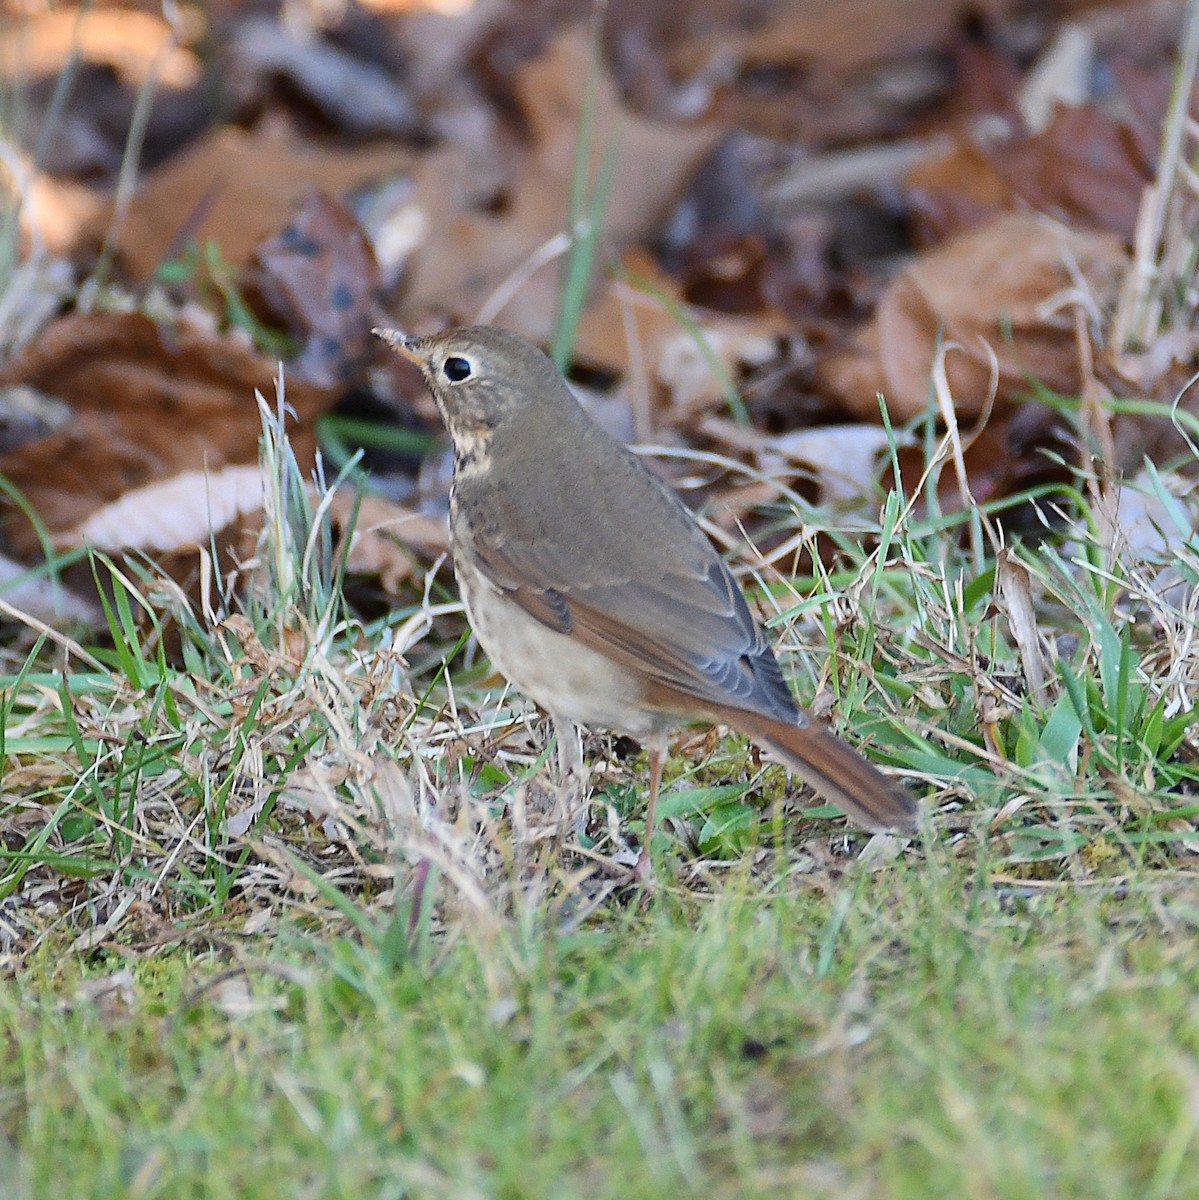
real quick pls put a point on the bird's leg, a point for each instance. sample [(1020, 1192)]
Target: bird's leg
[(643, 870), (572, 781)]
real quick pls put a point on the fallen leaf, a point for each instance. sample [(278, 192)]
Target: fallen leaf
[(46, 600), (193, 508), (641, 316), (951, 192), (389, 539), (1015, 598), (235, 189), (846, 33), (354, 94), (318, 276), (33, 293), (136, 45), (986, 82), (1027, 450), (1085, 168), (1061, 75), (989, 287), (470, 252), (147, 403), (184, 510), (843, 459), (684, 366), (108, 57), (55, 216)]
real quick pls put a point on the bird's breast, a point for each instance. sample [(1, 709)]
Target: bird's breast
[(567, 678)]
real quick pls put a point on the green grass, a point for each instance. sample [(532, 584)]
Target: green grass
[(917, 1032)]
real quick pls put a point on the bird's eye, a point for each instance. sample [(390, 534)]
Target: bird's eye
[(456, 369)]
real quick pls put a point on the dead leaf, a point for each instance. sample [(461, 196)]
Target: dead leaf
[(389, 539), (189, 510), (471, 252), (106, 996), (147, 403), (1086, 167), (684, 366), (109, 56), (991, 285), (847, 33), (449, 8), (643, 318), (1144, 91), (1144, 520), (134, 44), (958, 190), (55, 216), (318, 276), (986, 82), (47, 601), (235, 188), (354, 94), (185, 510), (1025, 450), (1015, 593), (842, 458), (1061, 75)]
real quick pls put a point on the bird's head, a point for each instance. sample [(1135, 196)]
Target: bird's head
[(482, 378)]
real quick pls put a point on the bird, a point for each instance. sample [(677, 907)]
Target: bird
[(592, 588)]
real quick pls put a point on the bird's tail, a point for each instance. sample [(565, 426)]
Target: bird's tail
[(835, 770)]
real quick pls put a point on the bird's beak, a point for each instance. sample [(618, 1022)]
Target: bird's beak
[(403, 343)]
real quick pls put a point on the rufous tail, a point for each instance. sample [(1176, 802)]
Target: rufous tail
[(835, 770)]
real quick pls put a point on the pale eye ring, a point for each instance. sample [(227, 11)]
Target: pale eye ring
[(456, 368)]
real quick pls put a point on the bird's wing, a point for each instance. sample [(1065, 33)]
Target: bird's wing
[(660, 600)]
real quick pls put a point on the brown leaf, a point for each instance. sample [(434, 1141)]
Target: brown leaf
[(959, 190), (133, 44), (352, 93), (847, 33), (640, 319), (990, 285), (471, 252), (236, 189), (987, 81), (319, 276), (108, 55), (172, 516), (387, 538), (58, 213), (1145, 90), (147, 404), (1026, 449), (843, 459), (1085, 167)]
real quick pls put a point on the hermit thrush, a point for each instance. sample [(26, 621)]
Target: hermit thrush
[(592, 588)]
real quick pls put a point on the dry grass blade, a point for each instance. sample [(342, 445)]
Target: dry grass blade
[(1158, 293)]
